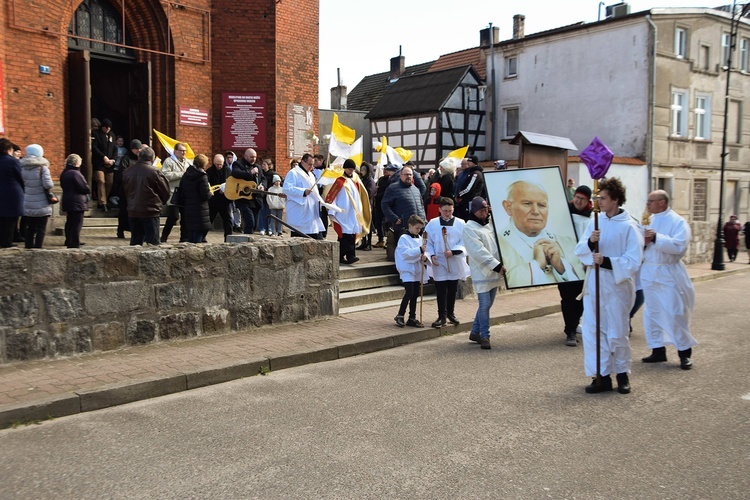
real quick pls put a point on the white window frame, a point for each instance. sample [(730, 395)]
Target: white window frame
[(726, 45), (679, 112), (744, 54), (507, 132), (680, 43), (511, 67), (702, 112)]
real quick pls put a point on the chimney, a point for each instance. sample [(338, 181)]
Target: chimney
[(397, 66), (338, 93), (484, 37), (518, 24)]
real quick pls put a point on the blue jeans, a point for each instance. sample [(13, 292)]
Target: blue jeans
[(482, 319), (248, 218), (144, 230), (263, 217)]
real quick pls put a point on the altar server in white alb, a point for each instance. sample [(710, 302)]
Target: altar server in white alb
[(667, 287), (445, 250), (303, 207), (619, 257)]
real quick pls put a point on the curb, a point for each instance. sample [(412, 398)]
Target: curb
[(129, 392)]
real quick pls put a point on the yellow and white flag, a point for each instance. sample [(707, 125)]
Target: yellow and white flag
[(342, 133), (459, 153), (394, 156), (169, 144)]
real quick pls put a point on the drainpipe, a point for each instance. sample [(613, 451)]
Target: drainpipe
[(653, 107), (494, 94)]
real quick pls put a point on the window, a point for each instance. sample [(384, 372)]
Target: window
[(700, 199), (679, 113), (725, 47), (702, 116), (744, 49), (510, 122), (680, 43), (511, 67), (705, 58), (734, 122)]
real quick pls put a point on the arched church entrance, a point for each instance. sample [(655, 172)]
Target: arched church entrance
[(111, 54)]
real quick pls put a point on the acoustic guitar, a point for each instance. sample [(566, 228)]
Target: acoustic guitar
[(239, 188)]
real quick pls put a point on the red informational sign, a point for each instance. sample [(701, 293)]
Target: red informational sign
[(193, 116), (2, 101), (243, 120)]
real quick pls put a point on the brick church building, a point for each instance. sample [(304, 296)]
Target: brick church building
[(219, 74)]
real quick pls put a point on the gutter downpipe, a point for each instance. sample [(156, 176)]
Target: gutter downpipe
[(653, 108), (494, 100)]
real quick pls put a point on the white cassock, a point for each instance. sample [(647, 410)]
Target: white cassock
[(302, 212), (668, 291), (348, 199), (408, 259), (436, 246), (620, 240), (517, 252)]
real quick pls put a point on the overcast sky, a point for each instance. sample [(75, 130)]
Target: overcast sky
[(360, 37)]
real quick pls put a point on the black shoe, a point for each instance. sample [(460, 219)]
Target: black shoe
[(452, 318), (163, 240), (353, 260), (105, 209), (342, 261), (400, 321), (604, 385), (484, 343), (571, 340), (474, 337), (414, 322), (623, 383), (658, 355), (685, 362), (439, 322), (120, 235), (19, 239)]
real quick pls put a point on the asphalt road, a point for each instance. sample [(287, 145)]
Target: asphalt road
[(438, 419)]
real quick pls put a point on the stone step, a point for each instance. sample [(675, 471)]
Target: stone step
[(375, 295), (429, 308), (360, 270), (368, 282)]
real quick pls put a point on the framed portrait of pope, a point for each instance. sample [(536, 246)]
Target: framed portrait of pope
[(534, 228)]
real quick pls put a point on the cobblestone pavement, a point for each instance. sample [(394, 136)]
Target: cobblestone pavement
[(41, 389)]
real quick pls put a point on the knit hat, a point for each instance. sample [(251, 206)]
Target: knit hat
[(276, 178), (349, 163), (136, 144), (392, 168), (477, 204), (107, 123), (473, 159), (34, 150), (584, 190)]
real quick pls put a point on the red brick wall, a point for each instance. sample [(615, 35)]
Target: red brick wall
[(297, 66), (256, 46)]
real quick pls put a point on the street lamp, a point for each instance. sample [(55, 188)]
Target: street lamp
[(718, 262)]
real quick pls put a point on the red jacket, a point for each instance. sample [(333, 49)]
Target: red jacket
[(432, 207)]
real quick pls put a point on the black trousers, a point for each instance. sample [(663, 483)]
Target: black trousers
[(446, 297), (411, 294), (346, 247), (73, 226), (220, 208), (572, 309), (36, 229), (8, 226), (174, 214)]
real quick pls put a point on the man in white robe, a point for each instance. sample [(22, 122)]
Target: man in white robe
[(302, 205), (667, 286), (531, 253), (619, 257), (445, 249)]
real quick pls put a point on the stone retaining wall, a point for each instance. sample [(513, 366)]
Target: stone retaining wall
[(56, 303)]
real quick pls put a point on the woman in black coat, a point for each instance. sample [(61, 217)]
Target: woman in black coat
[(194, 194), (75, 199)]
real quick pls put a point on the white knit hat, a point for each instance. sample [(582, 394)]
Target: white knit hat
[(34, 150)]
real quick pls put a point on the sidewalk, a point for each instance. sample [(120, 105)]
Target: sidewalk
[(38, 390)]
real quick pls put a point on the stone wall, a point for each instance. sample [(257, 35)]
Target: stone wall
[(56, 303)]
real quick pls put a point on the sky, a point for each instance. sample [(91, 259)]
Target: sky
[(360, 37)]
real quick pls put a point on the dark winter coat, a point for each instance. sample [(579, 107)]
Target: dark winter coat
[(11, 187), (400, 202), (146, 189), (470, 186), (194, 194), (241, 170), (103, 144), (216, 177), (75, 190)]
